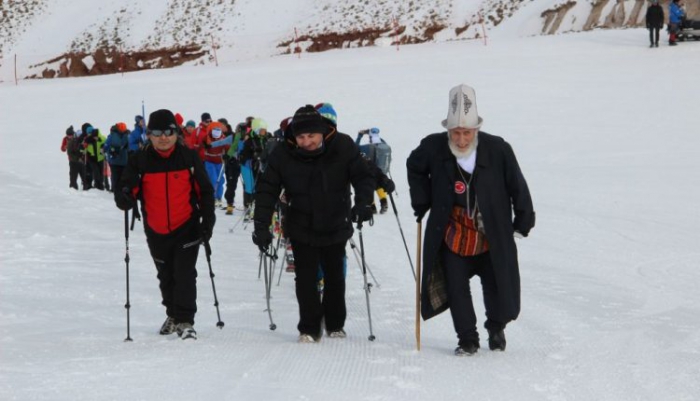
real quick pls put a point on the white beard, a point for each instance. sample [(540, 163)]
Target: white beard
[(463, 154)]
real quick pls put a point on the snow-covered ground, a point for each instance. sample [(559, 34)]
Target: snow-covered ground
[(606, 134)]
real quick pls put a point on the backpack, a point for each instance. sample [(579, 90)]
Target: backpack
[(379, 154)]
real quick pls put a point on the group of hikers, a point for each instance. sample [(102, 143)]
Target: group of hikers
[(320, 184), (655, 19)]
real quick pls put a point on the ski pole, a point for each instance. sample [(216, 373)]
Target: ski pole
[(418, 280), (207, 251), (396, 213), (364, 276), (353, 246), (127, 306), (263, 259)]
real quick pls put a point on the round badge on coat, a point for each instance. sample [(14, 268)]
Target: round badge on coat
[(460, 187)]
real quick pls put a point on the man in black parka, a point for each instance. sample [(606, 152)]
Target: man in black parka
[(655, 21), (472, 184), (316, 165)]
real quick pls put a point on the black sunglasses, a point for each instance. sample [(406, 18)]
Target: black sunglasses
[(158, 132)]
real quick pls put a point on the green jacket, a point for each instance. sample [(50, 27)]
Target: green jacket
[(95, 147)]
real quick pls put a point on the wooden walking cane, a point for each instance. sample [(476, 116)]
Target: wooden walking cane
[(418, 280)]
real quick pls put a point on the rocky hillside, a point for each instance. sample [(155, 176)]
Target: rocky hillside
[(62, 38)]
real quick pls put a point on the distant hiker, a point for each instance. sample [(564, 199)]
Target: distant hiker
[(93, 144), (214, 159), (175, 194), (201, 133), (137, 137), (117, 150), (249, 156), (316, 166), (472, 184), (655, 21), (675, 19), (71, 146), (231, 165), (189, 137), (379, 153)]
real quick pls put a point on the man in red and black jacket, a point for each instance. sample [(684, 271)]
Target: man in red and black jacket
[(177, 204)]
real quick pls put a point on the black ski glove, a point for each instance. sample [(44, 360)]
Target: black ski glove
[(387, 184), (262, 237), (124, 199), (207, 227), (361, 213), (419, 211)]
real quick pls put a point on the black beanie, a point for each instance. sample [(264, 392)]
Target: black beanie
[(206, 117), (161, 120), (70, 131), (307, 120)]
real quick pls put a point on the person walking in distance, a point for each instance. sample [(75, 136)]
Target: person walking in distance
[(472, 185), (177, 205)]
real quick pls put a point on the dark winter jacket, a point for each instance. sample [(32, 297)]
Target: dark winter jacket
[(71, 145), (655, 16), (501, 191), (173, 190), (317, 189)]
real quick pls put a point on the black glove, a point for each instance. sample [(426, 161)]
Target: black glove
[(262, 237), (387, 184), (125, 199), (207, 227), (361, 213), (363, 132), (419, 211)]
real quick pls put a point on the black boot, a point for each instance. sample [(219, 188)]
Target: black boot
[(384, 206), (497, 340), (467, 348)]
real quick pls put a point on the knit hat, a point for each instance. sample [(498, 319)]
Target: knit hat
[(70, 131), (90, 129), (307, 120), (206, 117), (327, 111), (191, 123), (223, 121), (374, 135), (121, 127), (179, 119), (461, 111), (161, 120), (137, 119)]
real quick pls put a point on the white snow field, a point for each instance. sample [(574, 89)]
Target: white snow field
[(606, 132)]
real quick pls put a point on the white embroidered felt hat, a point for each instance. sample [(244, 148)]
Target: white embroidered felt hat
[(461, 111)]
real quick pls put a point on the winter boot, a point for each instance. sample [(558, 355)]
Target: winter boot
[(186, 331), (340, 333), (384, 206), (497, 340), (168, 326), (374, 208), (229, 209), (307, 338), (467, 349)]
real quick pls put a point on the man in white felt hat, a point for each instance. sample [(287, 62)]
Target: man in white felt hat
[(472, 185)]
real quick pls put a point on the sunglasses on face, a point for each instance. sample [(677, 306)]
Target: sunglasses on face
[(158, 133)]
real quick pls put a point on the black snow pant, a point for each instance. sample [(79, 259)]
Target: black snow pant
[(233, 171), (458, 271), (116, 176), (95, 170), (175, 256), (74, 170), (312, 310), (654, 35)]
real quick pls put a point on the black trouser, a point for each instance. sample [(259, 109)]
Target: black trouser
[(95, 169), (116, 176), (654, 35), (458, 271), (233, 171), (307, 259), (74, 170), (175, 256)]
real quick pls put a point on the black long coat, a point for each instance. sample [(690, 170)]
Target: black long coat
[(317, 188), (655, 16), (501, 191)]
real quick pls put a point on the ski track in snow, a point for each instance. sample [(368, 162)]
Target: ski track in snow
[(609, 274)]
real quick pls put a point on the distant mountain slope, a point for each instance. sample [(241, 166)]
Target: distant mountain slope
[(58, 38)]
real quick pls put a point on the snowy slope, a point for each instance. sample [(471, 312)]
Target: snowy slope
[(609, 274)]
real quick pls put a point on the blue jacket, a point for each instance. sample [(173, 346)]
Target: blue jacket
[(675, 13), (137, 138), (116, 148)]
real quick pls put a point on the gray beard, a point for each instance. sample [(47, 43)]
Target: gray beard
[(458, 153)]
